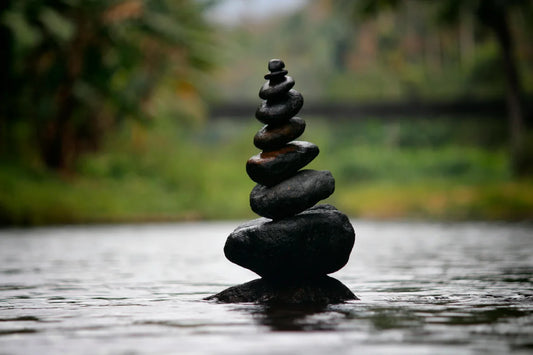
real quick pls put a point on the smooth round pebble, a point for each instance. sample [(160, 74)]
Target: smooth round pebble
[(293, 195), (273, 90), (273, 137), (271, 167), (280, 110)]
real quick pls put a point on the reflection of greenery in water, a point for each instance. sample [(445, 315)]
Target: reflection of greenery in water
[(422, 169), (295, 318), (384, 318), (413, 320)]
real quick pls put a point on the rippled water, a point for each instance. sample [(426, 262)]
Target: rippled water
[(424, 289)]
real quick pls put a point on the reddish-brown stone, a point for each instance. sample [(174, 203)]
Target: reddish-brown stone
[(271, 167)]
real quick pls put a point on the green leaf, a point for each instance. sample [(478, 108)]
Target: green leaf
[(25, 35), (57, 25)]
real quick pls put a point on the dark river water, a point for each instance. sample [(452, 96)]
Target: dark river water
[(424, 288)]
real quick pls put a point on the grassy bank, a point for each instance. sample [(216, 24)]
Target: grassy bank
[(399, 170)]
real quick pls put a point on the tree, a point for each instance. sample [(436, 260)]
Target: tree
[(72, 69), (494, 16)]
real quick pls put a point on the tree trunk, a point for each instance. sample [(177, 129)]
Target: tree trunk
[(6, 84), (59, 143), (514, 99), (495, 17)]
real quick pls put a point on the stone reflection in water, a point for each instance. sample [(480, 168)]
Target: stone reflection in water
[(296, 317), (316, 317), (295, 244)]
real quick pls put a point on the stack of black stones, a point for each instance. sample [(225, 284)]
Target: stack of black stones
[(294, 246)]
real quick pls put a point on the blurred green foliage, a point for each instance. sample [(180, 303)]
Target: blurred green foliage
[(104, 111), (395, 54), (73, 69), (199, 173), (496, 18)]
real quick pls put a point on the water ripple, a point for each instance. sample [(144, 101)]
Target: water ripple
[(424, 289)]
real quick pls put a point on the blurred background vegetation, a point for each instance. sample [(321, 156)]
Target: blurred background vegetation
[(139, 110)]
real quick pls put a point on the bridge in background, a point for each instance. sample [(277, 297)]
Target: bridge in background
[(486, 109)]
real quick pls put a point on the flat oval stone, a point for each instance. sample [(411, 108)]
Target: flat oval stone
[(270, 167), (308, 245), (277, 111), (293, 195), (276, 75), (271, 90), (321, 291), (273, 137)]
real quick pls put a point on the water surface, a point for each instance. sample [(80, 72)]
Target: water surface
[(424, 288)]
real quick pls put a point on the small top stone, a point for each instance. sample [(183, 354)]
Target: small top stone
[(275, 65)]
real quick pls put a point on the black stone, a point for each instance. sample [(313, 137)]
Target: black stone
[(275, 65), (270, 167), (280, 110), (274, 137), (293, 195), (308, 245), (272, 90), (277, 75), (298, 245), (325, 290)]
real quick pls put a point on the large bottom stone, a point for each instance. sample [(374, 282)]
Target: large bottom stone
[(308, 245), (322, 291)]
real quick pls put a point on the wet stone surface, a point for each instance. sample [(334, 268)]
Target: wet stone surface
[(274, 137), (301, 242), (293, 195), (270, 167), (280, 110), (275, 65), (321, 291), (272, 90), (311, 244)]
